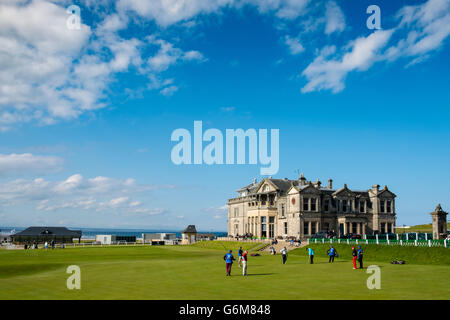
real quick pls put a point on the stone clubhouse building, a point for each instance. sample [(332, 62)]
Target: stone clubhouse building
[(299, 208)]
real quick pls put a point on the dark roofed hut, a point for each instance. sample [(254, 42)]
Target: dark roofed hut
[(43, 234), (189, 235)]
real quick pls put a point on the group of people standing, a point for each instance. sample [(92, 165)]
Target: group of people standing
[(242, 262), (357, 254)]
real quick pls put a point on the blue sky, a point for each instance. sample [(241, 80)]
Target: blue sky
[(86, 115)]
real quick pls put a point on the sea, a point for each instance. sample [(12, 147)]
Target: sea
[(90, 233)]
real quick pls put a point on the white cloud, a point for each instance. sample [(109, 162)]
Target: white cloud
[(294, 45), (217, 213), (422, 29), (169, 55), (168, 91), (100, 194), (329, 74), (168, 12), (427, 26), (35, 58), (283, 9), (335, 19), (27, 163), (51, 73)]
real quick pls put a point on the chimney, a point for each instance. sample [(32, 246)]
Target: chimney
[(318, 183), (330, 183), (376, 187), (302, 180)]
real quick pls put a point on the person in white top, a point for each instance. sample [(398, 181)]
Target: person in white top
[(284, 254), (46, 245)]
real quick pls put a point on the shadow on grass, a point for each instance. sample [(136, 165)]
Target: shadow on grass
[(259, 274)]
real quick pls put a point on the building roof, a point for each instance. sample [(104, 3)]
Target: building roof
[(283, 185), (190, 229), (49, 231)]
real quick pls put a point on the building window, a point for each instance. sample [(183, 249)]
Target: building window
[(271, 219), (361, 206), (383, 227), (313, 204), (326, 205), (305, 204), (282, 210), (305, 228), (354, 227), (389, 206), (236, 212), (344, 205), (285, 228), (389, 225), (313, 228), (381, 205)]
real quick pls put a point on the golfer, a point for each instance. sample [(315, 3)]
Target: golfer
[(228, 261), (244, 263), (360, 257), (240, 252), (355, 256), (284, 254), (311, 255), (331, 253)]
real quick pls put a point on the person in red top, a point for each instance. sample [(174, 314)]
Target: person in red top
[(244, 263), (355, 256)]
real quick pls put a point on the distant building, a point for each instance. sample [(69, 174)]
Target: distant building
[(205, 236), (43, 234), (189, 235), (301, 208), (159, 238), (111, 238), (439, 222), (5, 237)]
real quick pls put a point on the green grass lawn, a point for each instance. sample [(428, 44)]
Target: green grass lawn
[(198, 272), (421, 228)]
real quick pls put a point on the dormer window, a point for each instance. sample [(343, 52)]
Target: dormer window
[(382, 206), (388, 206)]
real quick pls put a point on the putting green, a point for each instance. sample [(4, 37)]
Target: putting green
[(195, 272)]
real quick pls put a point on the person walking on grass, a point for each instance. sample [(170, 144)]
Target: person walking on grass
[(355, 256), (311, 255), (240, 252), (244, 263), (331, 253), (228, 261), (284, 254), (360, 257)]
